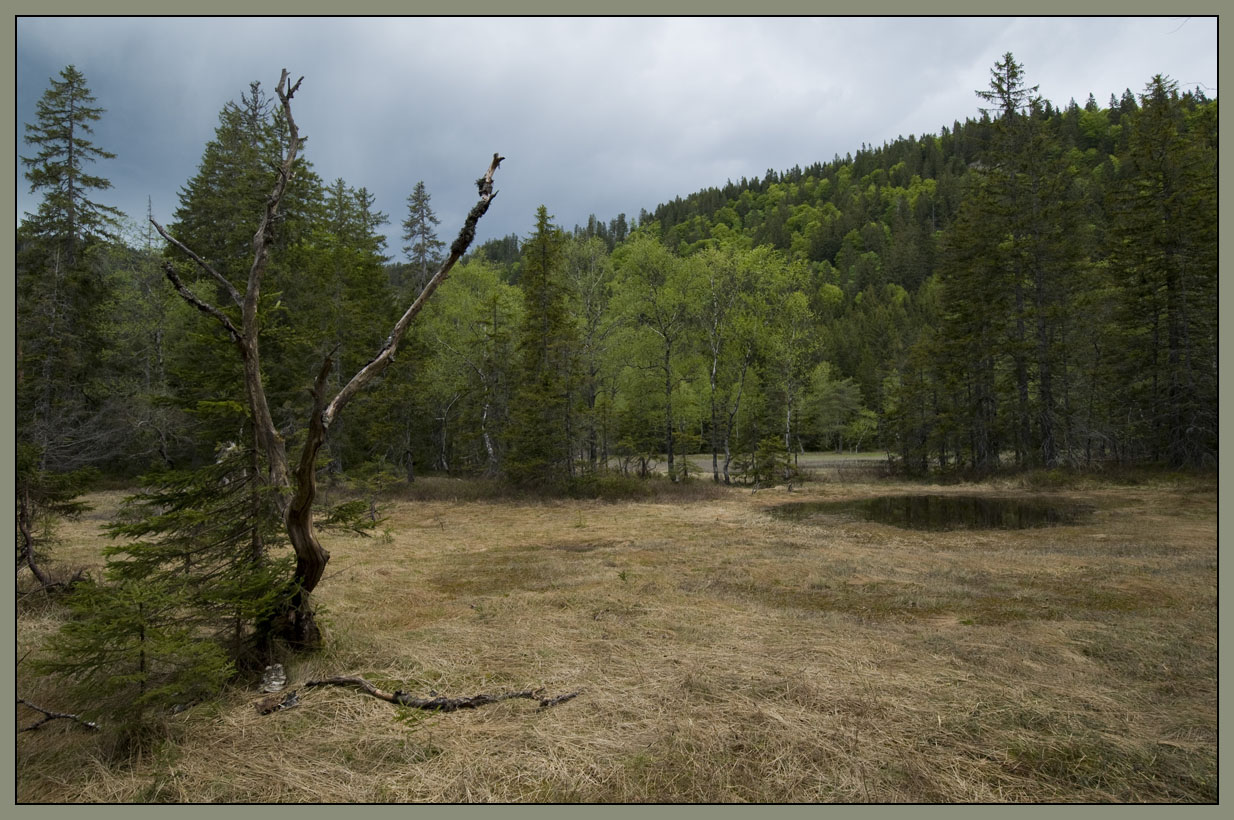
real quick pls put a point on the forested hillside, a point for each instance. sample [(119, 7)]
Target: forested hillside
[(1033, 286)]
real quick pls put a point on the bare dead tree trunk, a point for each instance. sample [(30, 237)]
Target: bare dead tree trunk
[(301, 487), (311, 557)]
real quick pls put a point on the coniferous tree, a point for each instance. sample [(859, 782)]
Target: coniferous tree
[(1037, 216), (63, 286), (66, 214), (147, 317), (214, 535), (218, 214), (975, 304), (424, 248), (353, 308), (127, 654), (1165, 251), (1011, 269), (540, 433)]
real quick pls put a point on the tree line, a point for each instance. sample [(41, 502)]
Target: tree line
[(1034, 286)]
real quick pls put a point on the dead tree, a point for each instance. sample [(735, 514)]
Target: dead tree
[(299, 485)]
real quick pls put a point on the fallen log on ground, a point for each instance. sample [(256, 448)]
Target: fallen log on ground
[(441, 704)]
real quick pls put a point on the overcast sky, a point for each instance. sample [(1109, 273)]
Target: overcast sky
[(594, 115)]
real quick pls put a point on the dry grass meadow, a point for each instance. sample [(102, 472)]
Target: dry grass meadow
[(722, 655)]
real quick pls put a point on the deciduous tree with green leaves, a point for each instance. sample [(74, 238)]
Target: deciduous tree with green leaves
[(657, 301)]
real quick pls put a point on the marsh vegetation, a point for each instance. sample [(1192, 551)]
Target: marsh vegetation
[(723, 653)]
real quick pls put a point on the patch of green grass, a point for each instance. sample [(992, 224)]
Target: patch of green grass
[(1108, 768), (501, 572)]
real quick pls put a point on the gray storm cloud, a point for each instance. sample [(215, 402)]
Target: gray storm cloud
[(595, 115)]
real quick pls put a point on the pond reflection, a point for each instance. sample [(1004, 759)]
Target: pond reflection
[(942, 512)]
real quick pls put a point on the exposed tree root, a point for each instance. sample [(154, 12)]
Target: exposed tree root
[(49, 716), (441, 704)]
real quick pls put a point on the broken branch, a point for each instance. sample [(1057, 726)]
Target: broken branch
[(384, 356), (49, 716), (204, 307), (440, 704), (201, 263)]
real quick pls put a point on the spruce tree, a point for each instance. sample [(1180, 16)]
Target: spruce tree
[(217, 216), (540, 446), (215, 535), (58, 168), (1164, 244), (63, 286), (975, 303), (128, 656), (424, 248), (354, 307), (1011, 264)]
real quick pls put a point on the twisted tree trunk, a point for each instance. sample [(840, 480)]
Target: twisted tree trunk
[(297, 620)]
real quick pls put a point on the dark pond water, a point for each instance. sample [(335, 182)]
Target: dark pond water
[(942, 512)]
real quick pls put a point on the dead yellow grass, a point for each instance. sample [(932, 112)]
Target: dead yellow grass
[(723, 655)]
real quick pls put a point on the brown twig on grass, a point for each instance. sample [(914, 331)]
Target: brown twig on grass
[(49, 716), (440, 704)]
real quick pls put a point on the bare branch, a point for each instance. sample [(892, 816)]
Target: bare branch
[(264, 236), (466, 359), (208, 309), (201, 263), (440, 704), (384, 356), (49, 716)]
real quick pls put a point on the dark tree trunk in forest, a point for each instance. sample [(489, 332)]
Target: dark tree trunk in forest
[(1045, 378), (1019, 357), (730, 425), (25, 525)]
